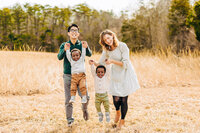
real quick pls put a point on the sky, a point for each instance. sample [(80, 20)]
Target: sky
[(115, 5)]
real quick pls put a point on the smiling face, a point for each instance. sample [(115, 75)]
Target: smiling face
[(100, 72), (108, 39), (73, 33), (76, 55)]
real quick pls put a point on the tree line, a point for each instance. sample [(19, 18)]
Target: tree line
[(164, 24)]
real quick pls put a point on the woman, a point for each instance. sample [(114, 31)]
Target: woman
[(123, 78)]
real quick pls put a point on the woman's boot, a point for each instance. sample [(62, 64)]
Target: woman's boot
[(117, 116), (121, 123)]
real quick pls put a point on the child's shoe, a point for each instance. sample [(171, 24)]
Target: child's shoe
[(72, 99), (84, 99), (100, 114), (107, 114)]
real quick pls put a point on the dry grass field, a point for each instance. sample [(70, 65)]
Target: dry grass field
[(32, 95)]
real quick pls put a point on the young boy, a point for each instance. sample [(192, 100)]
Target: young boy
[(101, 83), (76, 58)]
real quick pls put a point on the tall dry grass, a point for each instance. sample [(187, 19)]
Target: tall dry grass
[(32, 95), (167, 70), (26, 73)]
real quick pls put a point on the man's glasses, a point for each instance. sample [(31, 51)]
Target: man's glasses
[(72, 30)]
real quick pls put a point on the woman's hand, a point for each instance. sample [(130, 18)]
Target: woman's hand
[(91, 62), (108, 61)]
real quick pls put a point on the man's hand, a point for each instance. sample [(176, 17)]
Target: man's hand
[(84, 44), (91, 62), (67, 46)]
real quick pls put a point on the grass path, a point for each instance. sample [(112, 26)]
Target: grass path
[(166, 109)]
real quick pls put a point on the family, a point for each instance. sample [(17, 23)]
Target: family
[(113, 74)]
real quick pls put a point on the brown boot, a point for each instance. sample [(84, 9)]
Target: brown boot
[(121, 123), (117, 116)]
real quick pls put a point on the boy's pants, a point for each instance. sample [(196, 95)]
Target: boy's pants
[(69, 106), (78, 80), (101, 98)]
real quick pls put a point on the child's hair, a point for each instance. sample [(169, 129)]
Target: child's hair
[(75, 49), (101, 66)]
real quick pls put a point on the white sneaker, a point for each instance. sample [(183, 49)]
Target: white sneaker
[(100, 114), (72, 99), (84, 99), (107, 114)]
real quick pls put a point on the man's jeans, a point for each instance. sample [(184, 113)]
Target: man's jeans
[(69, 106)]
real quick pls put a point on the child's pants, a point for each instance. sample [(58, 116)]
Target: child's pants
[(101, 98), (78, 80)]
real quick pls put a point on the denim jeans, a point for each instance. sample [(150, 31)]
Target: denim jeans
[(69, 106)]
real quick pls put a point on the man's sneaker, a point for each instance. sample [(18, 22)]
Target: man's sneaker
[(84, 99), (107, 114), (100, 114), (70, 122), (72, 99), (85, 115), (84, 109)]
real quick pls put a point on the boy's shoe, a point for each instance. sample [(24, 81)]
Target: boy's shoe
[(84, 99), (107, 114), (72, 99), (100, 114)]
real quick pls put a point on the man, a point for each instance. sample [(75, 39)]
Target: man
[(73, 33)]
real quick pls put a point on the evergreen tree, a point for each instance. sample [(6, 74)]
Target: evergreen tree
[(178, 28), (196, 22)]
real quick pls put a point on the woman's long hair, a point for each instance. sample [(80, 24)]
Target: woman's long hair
[(102, 42)]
